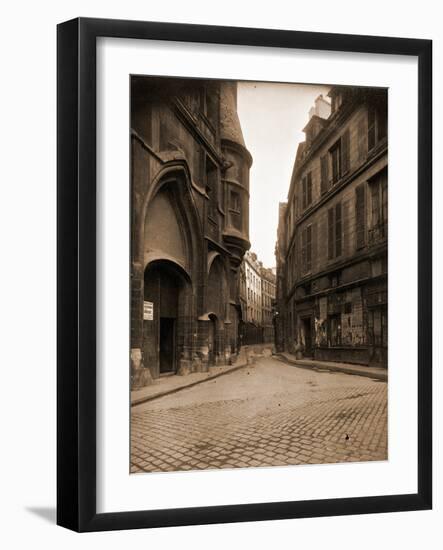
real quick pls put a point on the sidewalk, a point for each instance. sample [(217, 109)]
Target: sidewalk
[(172, 384), (376, 373)]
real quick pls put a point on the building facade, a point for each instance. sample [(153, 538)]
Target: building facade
[(190, 225), (280, 290), (268, 285), (257, 294), (252, 269), (332, 239)]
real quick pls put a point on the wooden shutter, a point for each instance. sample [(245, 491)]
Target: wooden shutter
[(361, 132), (345, 152), (330, 233), (338, 229), (371, 128), (360, 215), (308, 247), (303, 250), (308, 189), (324, 173), (314, 246)]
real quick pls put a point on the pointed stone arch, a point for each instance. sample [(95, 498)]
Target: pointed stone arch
[(174, 182)]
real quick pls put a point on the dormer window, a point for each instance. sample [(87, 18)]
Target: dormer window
[(336, 102)]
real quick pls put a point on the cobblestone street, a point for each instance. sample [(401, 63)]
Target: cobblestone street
[(267, 414)]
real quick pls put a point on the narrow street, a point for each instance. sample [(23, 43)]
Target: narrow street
[(267, 414)]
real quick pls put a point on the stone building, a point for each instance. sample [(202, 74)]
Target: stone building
[(252, 272), (190, 225), (268, 291), (332, 238), (280, 290), (257, 293)]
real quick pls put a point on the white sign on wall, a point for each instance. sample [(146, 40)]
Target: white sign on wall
[(148, 311)]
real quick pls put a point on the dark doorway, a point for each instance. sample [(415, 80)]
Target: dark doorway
[(167, 345), (308, 338), (163, 329)]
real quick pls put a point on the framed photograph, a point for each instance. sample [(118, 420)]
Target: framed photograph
[(242, 214)]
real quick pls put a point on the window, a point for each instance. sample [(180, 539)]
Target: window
[(360, 215), (345, 160), (336, 161), (324, 170), (307, 190), (234, 203), (306, 249), (377, 123), (361, 139), (379, 206), (330, 233), (338, 229), (335, 231), (371, 128), (235, 209), (334, 328)]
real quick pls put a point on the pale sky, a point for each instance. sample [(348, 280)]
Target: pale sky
[(272, 117)]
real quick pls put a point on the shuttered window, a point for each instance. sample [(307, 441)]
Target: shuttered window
[(335, 231), (303, 250), (307, 190), (336, 161), (324, 173), (330, 233), (382, 119), (371, 128), (345, 163), (338, 229), (308, 247), (360, 215), (361, 132)]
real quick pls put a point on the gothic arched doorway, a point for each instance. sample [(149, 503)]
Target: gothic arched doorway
[(165, 291)]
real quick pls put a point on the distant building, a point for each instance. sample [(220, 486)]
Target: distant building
[(257, 294), (190, 225), (252, 268), (268, 290), (332, 238), (280, 291)]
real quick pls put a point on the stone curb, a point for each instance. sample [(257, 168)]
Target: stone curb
[(142, 400), (377, 375)]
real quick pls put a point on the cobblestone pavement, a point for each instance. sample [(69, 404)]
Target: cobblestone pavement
[(267, 414)]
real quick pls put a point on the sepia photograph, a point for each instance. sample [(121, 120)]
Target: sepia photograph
[(259, 274)]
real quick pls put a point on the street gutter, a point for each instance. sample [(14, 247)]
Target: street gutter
[(358, 370)]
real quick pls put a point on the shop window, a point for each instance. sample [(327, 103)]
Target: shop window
[(334, 328)]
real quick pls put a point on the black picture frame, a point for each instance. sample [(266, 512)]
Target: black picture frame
[(76, 296)]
